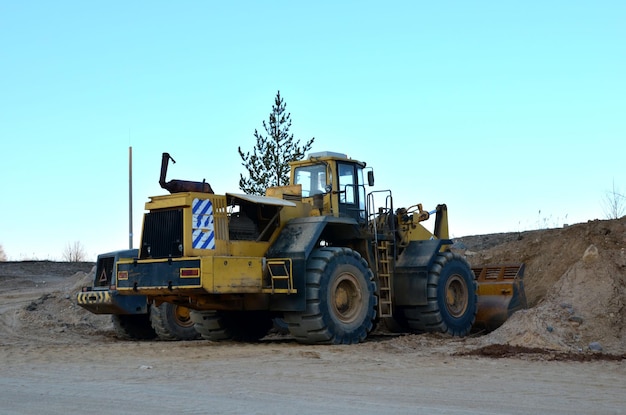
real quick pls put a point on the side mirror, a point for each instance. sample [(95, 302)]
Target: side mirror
[(370, 178)]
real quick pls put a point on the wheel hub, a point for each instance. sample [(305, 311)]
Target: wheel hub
[(183, 316), (456, 296), (346, 298)]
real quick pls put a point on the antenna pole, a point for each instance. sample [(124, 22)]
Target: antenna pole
[(130, 197)]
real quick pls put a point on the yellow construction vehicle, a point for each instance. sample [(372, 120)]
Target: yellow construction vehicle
[(133, 317), (325, 255)]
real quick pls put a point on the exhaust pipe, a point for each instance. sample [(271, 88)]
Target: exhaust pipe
[(177, 186)]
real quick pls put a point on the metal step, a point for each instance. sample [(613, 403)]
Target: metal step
[(281, 276)]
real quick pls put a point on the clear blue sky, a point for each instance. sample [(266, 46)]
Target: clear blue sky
[(511, 113)]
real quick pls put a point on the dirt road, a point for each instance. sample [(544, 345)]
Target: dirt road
[(59, 359), (379, 377)]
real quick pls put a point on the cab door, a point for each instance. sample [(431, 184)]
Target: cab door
[(351, 191)]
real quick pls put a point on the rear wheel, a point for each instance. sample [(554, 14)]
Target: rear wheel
[(133, 326), (247, 326), (172, 322), (341, 304), (452, 298)]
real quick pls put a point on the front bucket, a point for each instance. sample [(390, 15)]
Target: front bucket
[(500, 294)]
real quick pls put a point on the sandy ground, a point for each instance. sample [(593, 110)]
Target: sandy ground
[(57, 358)]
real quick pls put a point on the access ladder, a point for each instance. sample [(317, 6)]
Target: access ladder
[(385, 307)]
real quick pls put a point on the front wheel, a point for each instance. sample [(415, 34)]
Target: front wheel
[(452, 298), (341, 301)]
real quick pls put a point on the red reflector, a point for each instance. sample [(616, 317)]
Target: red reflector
[(189, 272), (122, 275)]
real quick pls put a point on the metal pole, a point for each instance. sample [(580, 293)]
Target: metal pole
[(130, 197)]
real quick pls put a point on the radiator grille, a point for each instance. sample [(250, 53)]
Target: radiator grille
[(162, 234)]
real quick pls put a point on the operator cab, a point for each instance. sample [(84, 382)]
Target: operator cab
[(336, 181)]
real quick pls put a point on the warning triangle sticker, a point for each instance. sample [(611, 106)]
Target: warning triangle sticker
[(103, 276)]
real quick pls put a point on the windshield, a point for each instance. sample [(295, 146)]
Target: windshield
[(312, 178)]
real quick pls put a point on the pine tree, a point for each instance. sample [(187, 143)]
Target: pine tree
[(268, 164)]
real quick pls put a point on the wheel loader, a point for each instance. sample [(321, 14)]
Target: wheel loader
[(132, 316), (325, 254)]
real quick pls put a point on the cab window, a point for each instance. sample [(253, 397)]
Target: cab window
[(347, 183), (312, 179)]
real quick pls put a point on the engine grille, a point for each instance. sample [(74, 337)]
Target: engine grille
[(162, 234)]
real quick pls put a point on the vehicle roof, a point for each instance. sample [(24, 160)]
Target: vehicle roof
[(326, 156)]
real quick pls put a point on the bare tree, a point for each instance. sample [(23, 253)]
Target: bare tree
[(614, 203), (74, 252), (3, 256)]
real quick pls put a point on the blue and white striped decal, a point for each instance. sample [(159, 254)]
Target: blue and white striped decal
[(203, 232)]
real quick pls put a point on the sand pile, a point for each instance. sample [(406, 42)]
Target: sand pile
[(43, 307), (585, 289), (583, 311)]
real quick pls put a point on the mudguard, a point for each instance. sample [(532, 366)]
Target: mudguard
[(411, 273), (296, 241)]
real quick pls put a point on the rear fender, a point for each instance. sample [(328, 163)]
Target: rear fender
[(411, 272), (296, 241)]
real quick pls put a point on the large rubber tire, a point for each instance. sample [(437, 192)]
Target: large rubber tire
[(452, 298), (280, 326), (395, 324), (246, 326), (172, 322), (133, 326), (340, 299)]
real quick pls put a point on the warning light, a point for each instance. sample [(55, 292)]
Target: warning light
[(122, 275), (189, 272)]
